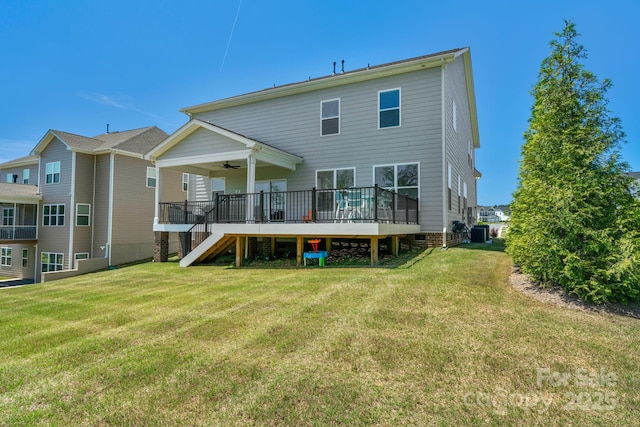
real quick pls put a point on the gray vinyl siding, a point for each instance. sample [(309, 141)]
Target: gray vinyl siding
[(202, 142), (133, 211), (33, 173), (16, 270), (293, 124), (56, 238), (457, 140), (84, 195), (100, 208)]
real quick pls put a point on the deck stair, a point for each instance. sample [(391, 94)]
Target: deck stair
[(214, 245)]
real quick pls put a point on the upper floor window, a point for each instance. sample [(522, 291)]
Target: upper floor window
[(83, 212), (52, 172), (7, 216), (151, 177), (185, 182), (25, 176), (11, 177), (389, 108), (330, 117), (53, 215)]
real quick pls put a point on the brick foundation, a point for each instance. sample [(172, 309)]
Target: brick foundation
[(161, 247), (431, 240)]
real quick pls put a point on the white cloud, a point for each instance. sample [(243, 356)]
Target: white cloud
[(123, 102), (104, 100)]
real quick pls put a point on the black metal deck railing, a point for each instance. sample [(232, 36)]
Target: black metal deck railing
[(359, 204)]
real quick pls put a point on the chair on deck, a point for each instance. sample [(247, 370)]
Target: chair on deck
[(354, 203), (341, 205)]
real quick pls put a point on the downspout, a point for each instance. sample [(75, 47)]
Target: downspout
[(157, 192), (444, 157), (72, 201), (15, 218), (112, 160), (93, 206), (35, 264)]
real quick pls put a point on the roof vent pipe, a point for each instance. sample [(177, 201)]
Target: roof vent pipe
[(334, 68), (107, 127), (343, 65)]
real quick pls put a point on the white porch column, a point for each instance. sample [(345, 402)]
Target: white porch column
[(158, 192), (251, 174), (251, 186)]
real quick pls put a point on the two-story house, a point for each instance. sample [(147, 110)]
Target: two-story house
[(377, 153), (78, 198), (493, 214)]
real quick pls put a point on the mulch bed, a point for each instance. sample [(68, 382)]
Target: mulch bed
[(558, 296)]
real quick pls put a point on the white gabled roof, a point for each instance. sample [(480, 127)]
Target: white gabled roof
[(259, 150)]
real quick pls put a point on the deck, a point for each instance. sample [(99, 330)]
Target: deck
[(360, 212)]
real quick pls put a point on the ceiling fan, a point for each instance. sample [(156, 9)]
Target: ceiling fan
[(229, 166)]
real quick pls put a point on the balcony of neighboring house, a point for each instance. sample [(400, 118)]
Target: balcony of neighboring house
[(18, 212)]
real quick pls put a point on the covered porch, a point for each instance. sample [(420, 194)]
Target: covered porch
[(18, 212), (243, 194)]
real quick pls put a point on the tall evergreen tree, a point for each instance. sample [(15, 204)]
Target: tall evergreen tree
[(574, 221)]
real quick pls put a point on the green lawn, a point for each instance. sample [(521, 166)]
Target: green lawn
[(441, 340)]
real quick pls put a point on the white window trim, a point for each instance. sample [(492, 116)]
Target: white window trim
[(395, 187), (449, 175), (79, 255), (8, 218), (88, 215), (339, 116), (57, 215), (151, 173), (185, 182), (464, 189), (26, 176), (216, 190), (459, 185), (455, 116), (55, 254), (55, 168), (389, 109), (6, 255), (9, 178), (335, 171)]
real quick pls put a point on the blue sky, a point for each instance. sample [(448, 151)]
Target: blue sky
[(78, 65)]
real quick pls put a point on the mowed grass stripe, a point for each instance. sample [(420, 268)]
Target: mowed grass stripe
[(155, 344)]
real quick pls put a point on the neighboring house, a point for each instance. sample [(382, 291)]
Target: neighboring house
[(80, 198), (493, 214), (342, 156), (636, 184)]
